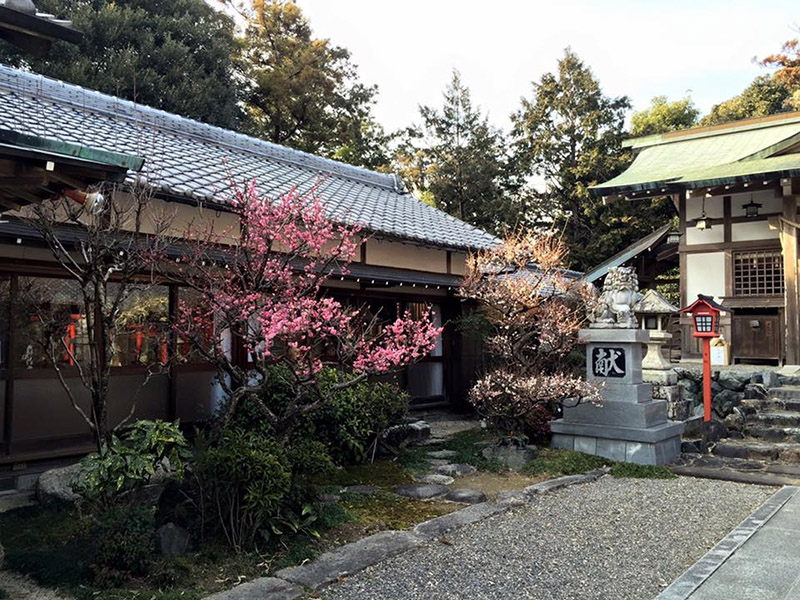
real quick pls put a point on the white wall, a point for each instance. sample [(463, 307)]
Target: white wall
[(705, 274), (766, 198), (755, 230)]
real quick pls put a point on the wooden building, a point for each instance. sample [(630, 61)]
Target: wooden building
[(415, 255), (735, 188)]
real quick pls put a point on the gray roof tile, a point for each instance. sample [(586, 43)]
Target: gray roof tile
[(191, 159)]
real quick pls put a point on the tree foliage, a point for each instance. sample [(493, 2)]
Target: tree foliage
[(765, 96), (787, 61), (176, 55), (663, 116), (303, 91), (568, 137), (457, 160)]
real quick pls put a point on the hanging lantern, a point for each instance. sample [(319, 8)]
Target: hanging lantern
[(751, 208), (703, 222)]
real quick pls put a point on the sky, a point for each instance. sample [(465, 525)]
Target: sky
[(638, 48)]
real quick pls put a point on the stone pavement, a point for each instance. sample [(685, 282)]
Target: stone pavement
[(757, 560)]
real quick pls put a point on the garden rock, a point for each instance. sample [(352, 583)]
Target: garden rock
[(455, 470), (421, 491), (360, 489), (433, 478), (442, 454), (466, 496), (513, 457), (733, 380), (735, 421), (771, 379), (2, 556), (404, 434), (172, 540), (55, 485), (511, 498), (725, 401), (715, 431), (755, 391), (691, 447)]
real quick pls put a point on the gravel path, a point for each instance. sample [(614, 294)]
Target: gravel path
[(615, 538)]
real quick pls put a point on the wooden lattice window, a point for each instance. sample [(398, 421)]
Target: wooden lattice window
[(758, 273)]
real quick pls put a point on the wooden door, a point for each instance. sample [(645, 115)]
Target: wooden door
[(756, 336)]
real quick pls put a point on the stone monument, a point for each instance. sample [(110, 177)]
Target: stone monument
[(630, 426)]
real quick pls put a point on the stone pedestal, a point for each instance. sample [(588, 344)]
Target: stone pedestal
[(630, 426)]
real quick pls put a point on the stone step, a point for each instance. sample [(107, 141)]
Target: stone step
[(785, 392), (772, 418), (775, 433), (728, 474), (750, 449)]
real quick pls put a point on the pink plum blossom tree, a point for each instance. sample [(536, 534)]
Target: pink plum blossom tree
[(261, 286)]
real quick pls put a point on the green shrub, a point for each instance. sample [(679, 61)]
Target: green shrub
[(641, 471), (127, 464), (246, 479), (124, 543)]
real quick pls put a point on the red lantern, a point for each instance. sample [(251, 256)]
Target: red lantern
[(705, 317)]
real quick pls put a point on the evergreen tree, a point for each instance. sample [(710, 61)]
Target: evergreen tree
[(663, 116), (765, 96), (567, 137), (456, 161), (303, 91), (175, 55)]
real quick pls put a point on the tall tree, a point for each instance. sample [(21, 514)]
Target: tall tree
[(176, 55), (763, 97), (567, 137), (456, 160), (788, 74), (663, 116), (303, 91)]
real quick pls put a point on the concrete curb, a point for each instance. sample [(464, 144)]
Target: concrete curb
[(289, 583), (685, 585)]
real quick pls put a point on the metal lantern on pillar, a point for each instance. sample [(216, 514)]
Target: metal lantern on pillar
[(705, 320)]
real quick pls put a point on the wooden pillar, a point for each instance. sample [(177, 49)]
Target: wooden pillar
[(8, 417), (172, 358), (789, 247)]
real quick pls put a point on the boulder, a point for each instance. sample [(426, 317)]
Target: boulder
[(691, 446), (404, 434), (771, 379), (689, 386), (688, 374), (55, 485), (361, 489), (465, 496), (715, 431), (172, 540), (512, 456), (735, 421), (789, 379), (756, 378), (716, 388), (733, 380)]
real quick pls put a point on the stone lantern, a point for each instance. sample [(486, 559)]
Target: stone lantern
[(653, 312)]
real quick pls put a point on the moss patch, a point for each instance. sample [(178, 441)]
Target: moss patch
[(555, 462), (388, 511)]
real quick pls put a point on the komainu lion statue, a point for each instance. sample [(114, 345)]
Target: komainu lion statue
[(614, 306)]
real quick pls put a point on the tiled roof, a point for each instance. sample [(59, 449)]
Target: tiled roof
[(185, 158)]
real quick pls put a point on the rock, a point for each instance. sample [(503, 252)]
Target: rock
[(688, 374), (407, 433), (755, 391), (150, 494), (689, 386), (2, 556), (442, 454), (716, 388), (789, 379), (715, 431), (55, 485), (439, 526), (360, 489), (733, 380), (421, 491), (756, 378), (258, 589), (699, 410), (466, 496), (735, 421), (455, 470), (433, 478), (771, 379), (725, 401), (513, 457), (172, 540), (329, 498), (690, 447)]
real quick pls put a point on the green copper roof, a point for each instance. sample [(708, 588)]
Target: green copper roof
[(702, 157), (80, 152)]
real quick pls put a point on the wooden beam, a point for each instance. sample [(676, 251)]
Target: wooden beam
[(789, 246)]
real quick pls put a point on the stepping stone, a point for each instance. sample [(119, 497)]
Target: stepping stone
[(421, 491), (511, 498), (466, 496), (433, 478), (361, 489), (455, 470), (442, 454)]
